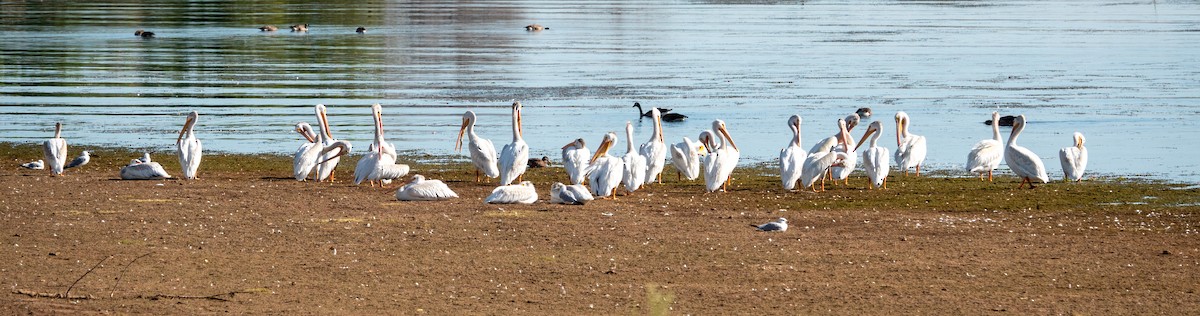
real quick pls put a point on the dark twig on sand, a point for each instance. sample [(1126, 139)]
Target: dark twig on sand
[(89, 271), (122, 275)]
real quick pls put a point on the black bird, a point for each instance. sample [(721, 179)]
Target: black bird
[(539, 163), (300, 28), (863, 112), (1006, 120), (361, 30), (143, 34), (666, 117)]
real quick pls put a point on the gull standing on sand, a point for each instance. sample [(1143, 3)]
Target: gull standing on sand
[(327, 160), (189, 147), (84, 158), (876, 160), (55, 151), (605, 171), (685, 156), (34, 165), (634, 174), (1021, 160), (483, 153), (791, 157), (654, 150), (305, 159), (514, 156), (721, 160), (778, 225), (420, 189), (910, 148), (1074, 159), (575, 194), (521, 193), (575, 159), (987, 154)]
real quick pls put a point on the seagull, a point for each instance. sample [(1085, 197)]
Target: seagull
[(778, 225), (83, 159), (34, 165), (575, 194), (145, 158)]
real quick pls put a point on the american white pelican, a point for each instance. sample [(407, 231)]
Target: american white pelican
[(513, 156), (84, 158), (34, 165), (850, 162), (538, 162), (55, 150), (335, 150), (483, 153), (685, 156), (604, 170), (634, 174), (137, 170), (654, 150), (575, 159), (327, 160), (817, 164), (305, 159), (777, 225), (575, 194), (1074, 159), (379, 164), (1021, 160), (876, 160), (986, 155), (666, 115), (721, 160), (420, 189), (189, 147), (791, 157), (828, 143), (521, 193), (910, 148), (145, 158)]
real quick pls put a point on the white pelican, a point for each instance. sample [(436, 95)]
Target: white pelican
[(850, 162), (634, 174), (483, 153), (1021, 160), (137, 170), (326, 160), (876, 160), (1074, 159), (306, 156), (986, 155), (910, 148), (604, 170), (685, 156), (777, 225), (189, 147), (654, 150), (791, 157), (379, 164), (145, 158), (420, 189), (721, 159), (576, 194), (335, 151), (521, 193), (828, 143), (84, 158), (55, 150), (575, 159), (818, 163), (34, 165), (514, 156)]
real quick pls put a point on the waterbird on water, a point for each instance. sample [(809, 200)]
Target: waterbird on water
[(863, 112), (1006, 120), (268, 28), (666, 116), (360, 30), (143, 34), (535, 27), (300, 28)]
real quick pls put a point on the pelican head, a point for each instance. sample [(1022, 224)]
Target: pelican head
[(517, 117), (188, 125), (794, 124), (577, 143), (1079, 140), (874, 128), (852, 121), (843, 134), (342, 146), (706, 141), (901, 121), (719, 127), (605, 144), (377, 114), (323, 120), (306, 130), (468, 120), (57, 129)]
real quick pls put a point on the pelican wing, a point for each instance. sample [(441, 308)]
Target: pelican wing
[(305, 160), (791, 163), (483, 155), (877, 163), (144, 171), (655, 155), (605, 175), (814, 167), (985, 156), (911, 152), (514, 158), (575, 160), (189, 156), (634, 171), (1074, 161), (427, 190), (1025, 163), (55, 150), (512, 194), (851, 162)]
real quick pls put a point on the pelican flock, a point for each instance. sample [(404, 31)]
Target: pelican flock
[(189, 147)]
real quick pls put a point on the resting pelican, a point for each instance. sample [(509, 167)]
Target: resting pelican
[(818, 163), (84, 158), (380, 163), (655, 150), (986, 155), (1021, 160), (137, 170), (55, 150), (305, 158), (420, 189), (575, 159), (876, 160), (777, 225), (521, 193), (34, 165), (575, 194), (721, 159), (791, 157), (604, 170), (189, 147), (1074, 159), (685, 156), (513, 157), (910, 148), (634, 174), (483, 153), (327, 160)]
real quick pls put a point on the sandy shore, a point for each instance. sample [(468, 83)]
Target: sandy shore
[(246, 239)]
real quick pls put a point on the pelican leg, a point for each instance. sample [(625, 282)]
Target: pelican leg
[(1023, 180), (614, 194), (476, 175), (660, 178), (885, 183), (989, 176), (918, 170), (520, 178), (678, 176)]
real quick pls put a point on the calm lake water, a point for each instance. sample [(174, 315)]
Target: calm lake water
[(1124, 73)]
